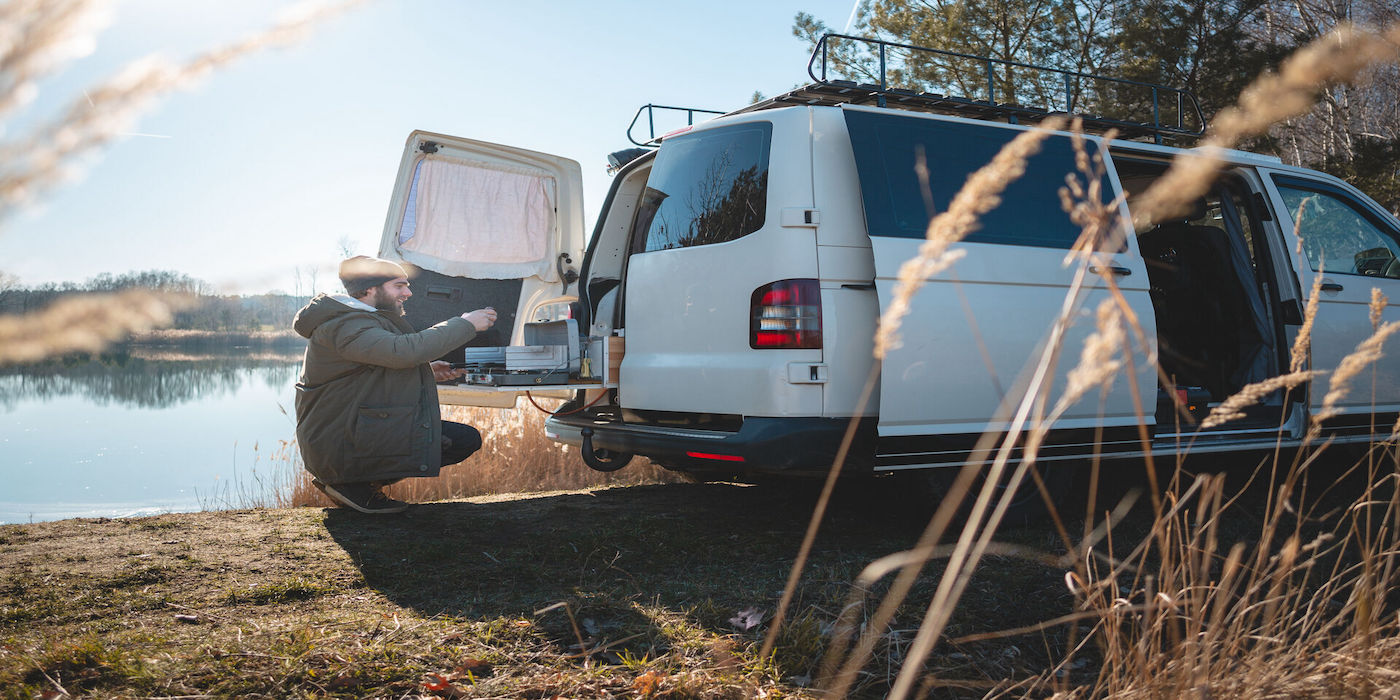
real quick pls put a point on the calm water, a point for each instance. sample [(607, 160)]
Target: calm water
[(143, 434)]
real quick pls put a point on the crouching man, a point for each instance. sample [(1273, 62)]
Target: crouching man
[(367, 404)]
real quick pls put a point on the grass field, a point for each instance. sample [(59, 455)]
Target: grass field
[(665, 590)]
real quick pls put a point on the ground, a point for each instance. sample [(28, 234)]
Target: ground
[(645, 591)]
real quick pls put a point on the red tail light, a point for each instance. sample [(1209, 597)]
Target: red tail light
[(786, 314), (718, 458)]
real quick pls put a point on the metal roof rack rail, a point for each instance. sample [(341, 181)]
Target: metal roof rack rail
[(1144, 110), (916, 78), (653, 140)]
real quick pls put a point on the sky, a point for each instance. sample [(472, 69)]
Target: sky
[(260, 175)]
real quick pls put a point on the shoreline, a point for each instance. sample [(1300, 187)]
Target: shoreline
[(176, 336)]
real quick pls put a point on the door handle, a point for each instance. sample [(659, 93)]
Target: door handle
[(1330, 287), (1115, 269)]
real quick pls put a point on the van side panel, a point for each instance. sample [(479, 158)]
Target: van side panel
[(976, 334)]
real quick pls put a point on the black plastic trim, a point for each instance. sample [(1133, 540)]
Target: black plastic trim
[(790, 446)]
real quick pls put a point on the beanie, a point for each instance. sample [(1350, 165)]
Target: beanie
[(362, 272)]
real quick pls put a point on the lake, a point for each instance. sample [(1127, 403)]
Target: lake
[(146, 431)]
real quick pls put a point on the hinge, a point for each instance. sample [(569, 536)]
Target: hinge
[(428, 147)]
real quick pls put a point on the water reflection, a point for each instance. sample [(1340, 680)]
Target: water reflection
[(146, 379), (145, 431)]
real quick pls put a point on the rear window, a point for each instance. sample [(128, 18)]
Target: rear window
[(887, 150), (706, 187)]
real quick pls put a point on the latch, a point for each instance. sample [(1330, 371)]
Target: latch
[(806, 373), (801, 217), (568, 274)]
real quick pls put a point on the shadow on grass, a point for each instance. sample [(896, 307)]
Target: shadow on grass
[(684, 543), (633, 563)]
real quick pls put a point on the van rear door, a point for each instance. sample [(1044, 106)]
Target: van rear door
[(975, 333), (481, 224)]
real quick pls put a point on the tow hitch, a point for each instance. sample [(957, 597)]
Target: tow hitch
[(600, 459)]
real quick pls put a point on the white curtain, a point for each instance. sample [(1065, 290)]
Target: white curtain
[(480, 220)]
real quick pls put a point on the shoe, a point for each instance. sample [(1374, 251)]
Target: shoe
[(366, 497)]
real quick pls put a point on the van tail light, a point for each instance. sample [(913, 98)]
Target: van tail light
[(786, 314), (716, 457)]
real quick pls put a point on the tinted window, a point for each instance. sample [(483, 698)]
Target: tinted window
[(887, 148), (706, 187), (1339, 236)]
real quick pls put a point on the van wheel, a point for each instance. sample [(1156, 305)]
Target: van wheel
[(601, 459), (1027, 505)]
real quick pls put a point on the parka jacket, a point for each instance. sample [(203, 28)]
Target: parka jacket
[(366, 403)]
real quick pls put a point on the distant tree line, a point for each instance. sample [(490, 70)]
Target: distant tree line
[(1213, 48), (210, 311)]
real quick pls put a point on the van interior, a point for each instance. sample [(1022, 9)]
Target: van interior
[(1219, 317)]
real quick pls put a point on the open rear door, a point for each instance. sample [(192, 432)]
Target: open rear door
[(480, 224)]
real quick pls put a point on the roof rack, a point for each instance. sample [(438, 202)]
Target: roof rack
[(909, 76), (915, 78), (653, 139)]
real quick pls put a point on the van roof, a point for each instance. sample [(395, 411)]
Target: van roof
[(1229, 154)]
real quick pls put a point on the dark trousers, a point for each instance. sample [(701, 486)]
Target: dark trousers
[(459, 441)]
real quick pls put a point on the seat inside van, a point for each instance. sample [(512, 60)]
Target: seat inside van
[(1216, 324)]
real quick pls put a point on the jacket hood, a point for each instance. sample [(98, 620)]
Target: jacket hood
[(326, 307)]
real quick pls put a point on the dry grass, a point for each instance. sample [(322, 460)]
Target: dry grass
[(515, 457), (86, 323)]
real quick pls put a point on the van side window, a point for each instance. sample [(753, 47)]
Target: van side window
[(887, 149), (706, 187), (1339, 236)]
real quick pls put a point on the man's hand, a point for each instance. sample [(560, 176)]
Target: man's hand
[(442, 371), (481, 318)]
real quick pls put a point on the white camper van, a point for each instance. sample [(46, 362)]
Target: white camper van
[(720, 318)]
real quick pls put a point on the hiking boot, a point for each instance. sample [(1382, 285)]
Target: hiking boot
[(366, 497)]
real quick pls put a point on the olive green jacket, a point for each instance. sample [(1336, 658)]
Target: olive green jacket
[(367, 405)]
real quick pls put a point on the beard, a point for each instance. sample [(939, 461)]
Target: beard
[(384, 302)]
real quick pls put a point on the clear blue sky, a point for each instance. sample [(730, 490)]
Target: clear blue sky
[(267, 164)]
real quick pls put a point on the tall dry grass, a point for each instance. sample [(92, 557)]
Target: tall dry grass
[(1301, 609), (515, 457)]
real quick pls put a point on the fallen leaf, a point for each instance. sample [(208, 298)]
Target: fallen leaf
[(443, 687), (187, 619), (647, 684), (476, 667), (747, 619), (438, 684)]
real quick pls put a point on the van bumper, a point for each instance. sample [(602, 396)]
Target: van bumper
[(786, 446)]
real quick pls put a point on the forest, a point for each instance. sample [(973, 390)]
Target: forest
[(206, 310), (1213, 49)]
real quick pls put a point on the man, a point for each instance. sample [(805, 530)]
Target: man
[(367, 405)]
